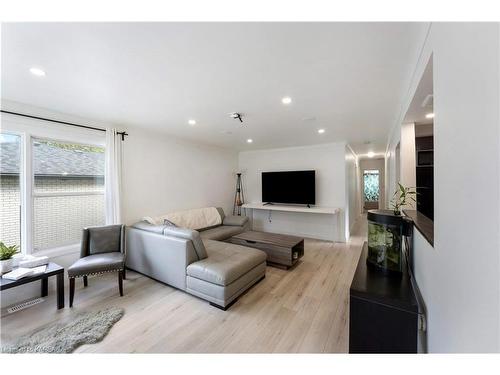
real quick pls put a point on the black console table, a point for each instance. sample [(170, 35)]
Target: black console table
[(53, 269), (384, 312)]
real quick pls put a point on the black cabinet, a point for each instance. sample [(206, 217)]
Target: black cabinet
[(425, 191), (425, 176), (383, 312)]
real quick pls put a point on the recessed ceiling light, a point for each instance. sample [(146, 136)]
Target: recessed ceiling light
[(321, 131), (371, 154), (37, 72), (192, 122), (286, 100), (429, 115), (249, 140)]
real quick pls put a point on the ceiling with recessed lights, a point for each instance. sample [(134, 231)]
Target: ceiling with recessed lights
[(287, 80)]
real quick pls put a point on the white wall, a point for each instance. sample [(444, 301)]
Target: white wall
[(163, 174), (353, 190), (369, 164), (328, 160), (408, 163), (459, 277), (392, 168)]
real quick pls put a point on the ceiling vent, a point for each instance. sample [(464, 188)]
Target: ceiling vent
[(428, 101)]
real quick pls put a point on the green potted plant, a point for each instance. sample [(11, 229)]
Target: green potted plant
[(6, 254), (386, 229), (402, 196)]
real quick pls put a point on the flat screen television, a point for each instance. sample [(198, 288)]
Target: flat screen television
[(293, 187)]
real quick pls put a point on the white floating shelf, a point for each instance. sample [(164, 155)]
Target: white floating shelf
[(292, 208)]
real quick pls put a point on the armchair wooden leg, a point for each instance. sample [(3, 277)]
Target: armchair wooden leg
[(124, 274), (85, 281), (120, 282), (71, 290)]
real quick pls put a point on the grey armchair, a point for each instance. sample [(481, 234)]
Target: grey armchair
[(103, 250)]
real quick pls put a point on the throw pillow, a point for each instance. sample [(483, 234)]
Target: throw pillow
[(169, 223)]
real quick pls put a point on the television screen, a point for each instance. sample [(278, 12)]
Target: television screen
[(295, 187)]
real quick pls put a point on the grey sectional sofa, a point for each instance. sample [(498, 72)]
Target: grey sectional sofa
[(197, 261)]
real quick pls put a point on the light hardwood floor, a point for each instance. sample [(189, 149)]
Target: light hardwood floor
[(304, 309)]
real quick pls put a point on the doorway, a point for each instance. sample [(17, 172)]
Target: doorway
[(371, 189)]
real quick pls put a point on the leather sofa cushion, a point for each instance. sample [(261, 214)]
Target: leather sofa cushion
[(188, 234), (221, 233), (224, 295), (235, 220), (97, 263), (225, 262), (221, 213)]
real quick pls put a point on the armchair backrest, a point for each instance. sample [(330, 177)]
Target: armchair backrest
[(105, 239)]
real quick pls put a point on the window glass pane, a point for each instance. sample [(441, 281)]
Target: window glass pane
[(10, 196), (68, 191), (371, 186)]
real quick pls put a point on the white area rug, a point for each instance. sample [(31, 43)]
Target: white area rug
[(85, 328)]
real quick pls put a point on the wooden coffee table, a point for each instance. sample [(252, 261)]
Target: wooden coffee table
[(282, 250), (53, 269)]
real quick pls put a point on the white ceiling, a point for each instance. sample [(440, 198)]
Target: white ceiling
[(348, 78)]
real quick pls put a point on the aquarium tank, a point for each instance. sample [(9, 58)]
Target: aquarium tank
[(385, 241)]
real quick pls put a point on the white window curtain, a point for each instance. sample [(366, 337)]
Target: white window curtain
[(113, 176)]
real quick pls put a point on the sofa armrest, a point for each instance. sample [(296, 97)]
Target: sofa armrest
[(188, 234), (235, 221), (161, 257)]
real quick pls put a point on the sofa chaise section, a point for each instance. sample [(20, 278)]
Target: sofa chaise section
[(225, 273)]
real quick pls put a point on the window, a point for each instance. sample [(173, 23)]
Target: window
[(10, 189), (371, 185), (68, 191)]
